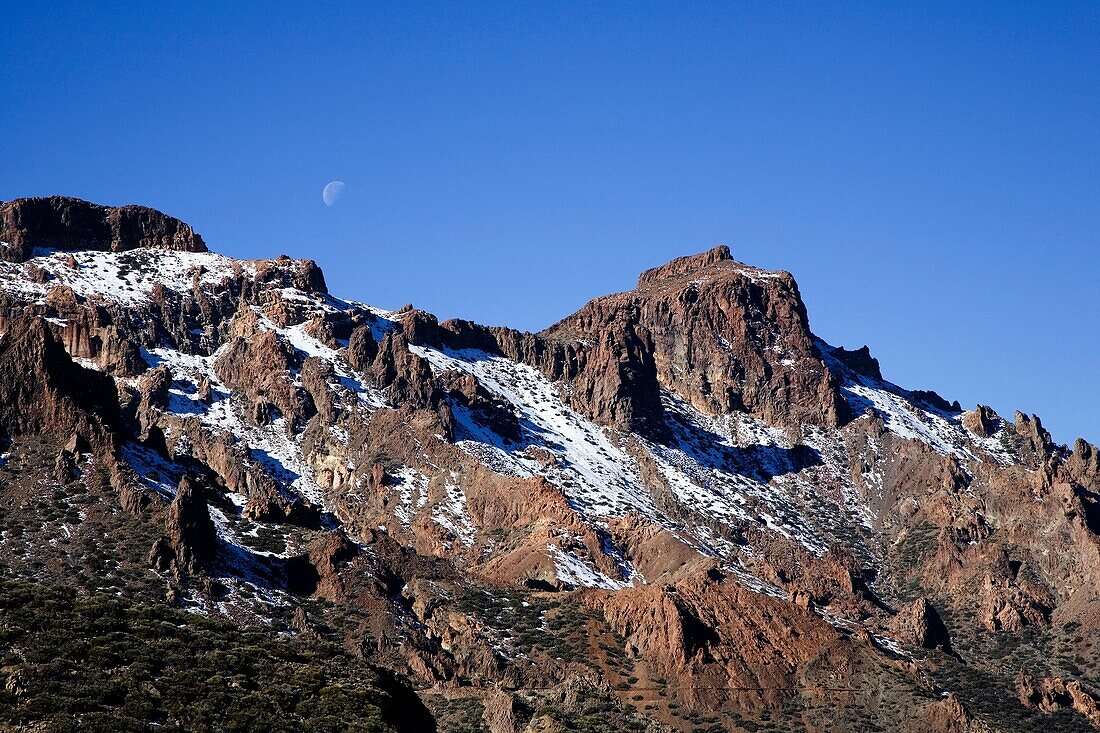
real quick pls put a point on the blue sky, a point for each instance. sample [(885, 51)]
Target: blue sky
[(930, 174)]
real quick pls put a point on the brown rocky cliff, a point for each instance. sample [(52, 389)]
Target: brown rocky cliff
[(859, 361), (258, 367), (68, 223), (723, 335), (1051, 694), (403, 376), (1008, 544), (191, 540), (920, 625), (619, 383), (317, 571), (709, 624), (43, 390)]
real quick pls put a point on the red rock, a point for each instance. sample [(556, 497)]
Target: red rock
[(191, 540), (69, 224), (1051, 694)]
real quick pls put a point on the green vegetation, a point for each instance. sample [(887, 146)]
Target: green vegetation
[(533, 624), (72, 534), (263, 537), (84, 663), (458, 714), (993, 699), (594, 714)]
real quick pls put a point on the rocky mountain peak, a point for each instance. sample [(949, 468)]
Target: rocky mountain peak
[(715, 263), (859, 361), (64, 223), (685, 265), (676, 489), (723, 335)]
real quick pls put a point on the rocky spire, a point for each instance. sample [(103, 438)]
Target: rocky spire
[(191, 539)]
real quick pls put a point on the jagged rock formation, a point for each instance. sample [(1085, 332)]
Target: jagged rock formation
[(1053, 694), (191, 540), (722, 335), (676, 489), (71, 224), (918, 624)]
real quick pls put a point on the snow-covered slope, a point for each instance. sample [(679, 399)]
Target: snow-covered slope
[(718, 484)]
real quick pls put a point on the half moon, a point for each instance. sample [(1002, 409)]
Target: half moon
[(332, 192)]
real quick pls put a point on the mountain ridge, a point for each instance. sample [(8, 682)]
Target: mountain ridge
[(688, 487)]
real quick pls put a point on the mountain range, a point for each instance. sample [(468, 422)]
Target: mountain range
[(232, 500)]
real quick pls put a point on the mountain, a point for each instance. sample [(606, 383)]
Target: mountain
[(676, 509)]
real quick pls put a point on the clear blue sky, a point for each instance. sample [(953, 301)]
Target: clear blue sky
[(930, 174)]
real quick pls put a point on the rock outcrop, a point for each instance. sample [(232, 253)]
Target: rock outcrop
[(859, 361), (983, 421), (317, 571), (723, 335), (59, 222), (44, 389), (1051, 694), (918, 624), (260, 368), (191, 540), (707, 624), (676, 504)]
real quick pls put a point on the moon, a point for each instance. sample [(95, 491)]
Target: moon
[(332, 192)]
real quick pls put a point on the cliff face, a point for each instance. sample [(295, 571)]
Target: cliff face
[(725, 336), (71, 224), (677, 502)]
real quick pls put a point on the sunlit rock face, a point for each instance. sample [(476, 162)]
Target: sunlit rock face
[(63, 223), (678, 489)]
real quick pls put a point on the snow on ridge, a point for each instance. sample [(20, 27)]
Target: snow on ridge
[(597, 476), (412, 491), (279, 452), (732, 470), (451, 513), (126, 278), (269, 445), (573, 571), (758, 274), (308, 345), (724, 469), (152, 471), (907, 416)]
